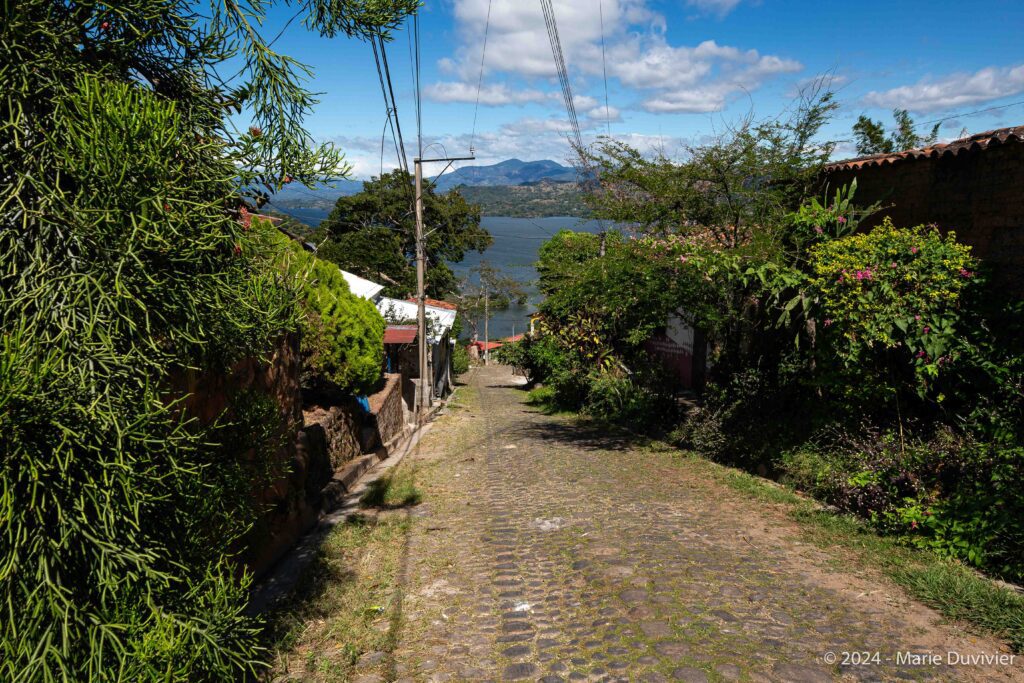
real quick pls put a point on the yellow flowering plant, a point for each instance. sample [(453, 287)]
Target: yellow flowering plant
[(894, 292)]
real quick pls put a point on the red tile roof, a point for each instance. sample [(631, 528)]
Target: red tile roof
[(973, 143), (516, 338), (399, 334), (485, 346), (437, 303)]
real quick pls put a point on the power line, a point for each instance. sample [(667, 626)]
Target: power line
[(971, 113), (388, 108), (604, 69), (419, 102), (403, 160), (480, 80), (563, 73)]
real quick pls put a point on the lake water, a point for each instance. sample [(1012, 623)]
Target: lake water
[(514, 251)]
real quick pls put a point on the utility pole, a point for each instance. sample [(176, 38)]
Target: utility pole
[(421, 309), (426, 384)]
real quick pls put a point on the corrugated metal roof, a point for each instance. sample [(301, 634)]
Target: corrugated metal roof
[(396, 309), (399, 334), (973, 143), (361, 286)]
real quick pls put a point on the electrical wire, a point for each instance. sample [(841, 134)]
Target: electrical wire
[(403, 159), (563, 73), (480, 80), (604, 69)]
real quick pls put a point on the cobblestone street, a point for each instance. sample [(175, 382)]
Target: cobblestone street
[(548, 550)]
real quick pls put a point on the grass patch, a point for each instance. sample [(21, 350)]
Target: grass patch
[(394, 490), (543, 398), (947, 586), (346, 604)]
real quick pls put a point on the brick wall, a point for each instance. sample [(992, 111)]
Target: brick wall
[(977, 194)]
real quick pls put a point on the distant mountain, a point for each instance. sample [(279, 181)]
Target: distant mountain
[(509, 172), (321, 197)]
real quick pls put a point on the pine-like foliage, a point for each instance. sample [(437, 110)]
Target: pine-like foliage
[(342, 334), (123, 263)]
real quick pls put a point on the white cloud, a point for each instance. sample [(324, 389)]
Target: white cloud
[(955, 90), (717, 7), (492, 95), (597, 115), (692, 79), (670, 78)]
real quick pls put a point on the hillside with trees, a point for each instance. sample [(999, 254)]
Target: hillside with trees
[(531, 200)]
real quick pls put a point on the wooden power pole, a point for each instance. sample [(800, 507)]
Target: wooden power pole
[(426, 383)]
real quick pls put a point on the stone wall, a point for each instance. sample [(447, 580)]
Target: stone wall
[(318, 441), (978, 194), (388, 410), (341, 426)]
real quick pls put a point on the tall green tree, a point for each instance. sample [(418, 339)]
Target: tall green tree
[(728, 191), (374, 234), (871, 137), (127, 265)]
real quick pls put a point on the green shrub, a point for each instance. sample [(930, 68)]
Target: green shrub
[(460, 359), (949, 493), (638, 402), (891, 301), (119, 512), (343, 334)]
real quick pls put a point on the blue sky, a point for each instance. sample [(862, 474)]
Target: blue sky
[(678, 71)]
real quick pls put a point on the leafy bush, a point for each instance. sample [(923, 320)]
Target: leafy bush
[(949, 493), (638, 402), (343, 334), (891, 299), (460, 359)]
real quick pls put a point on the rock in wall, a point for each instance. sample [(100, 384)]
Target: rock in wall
[(388, 410)]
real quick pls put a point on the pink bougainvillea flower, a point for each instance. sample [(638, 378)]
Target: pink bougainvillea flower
[(683, 259), (927, 330), (917, 317), (828, 322), (892, 265), (817, 229), (913, 525), (841, 219), (920, 354), (965, 273), (913, 250)]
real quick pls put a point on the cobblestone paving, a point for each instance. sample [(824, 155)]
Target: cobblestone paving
[(546, 550)]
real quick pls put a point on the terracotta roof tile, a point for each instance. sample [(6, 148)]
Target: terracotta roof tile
[(973, 143), (436, 303)]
